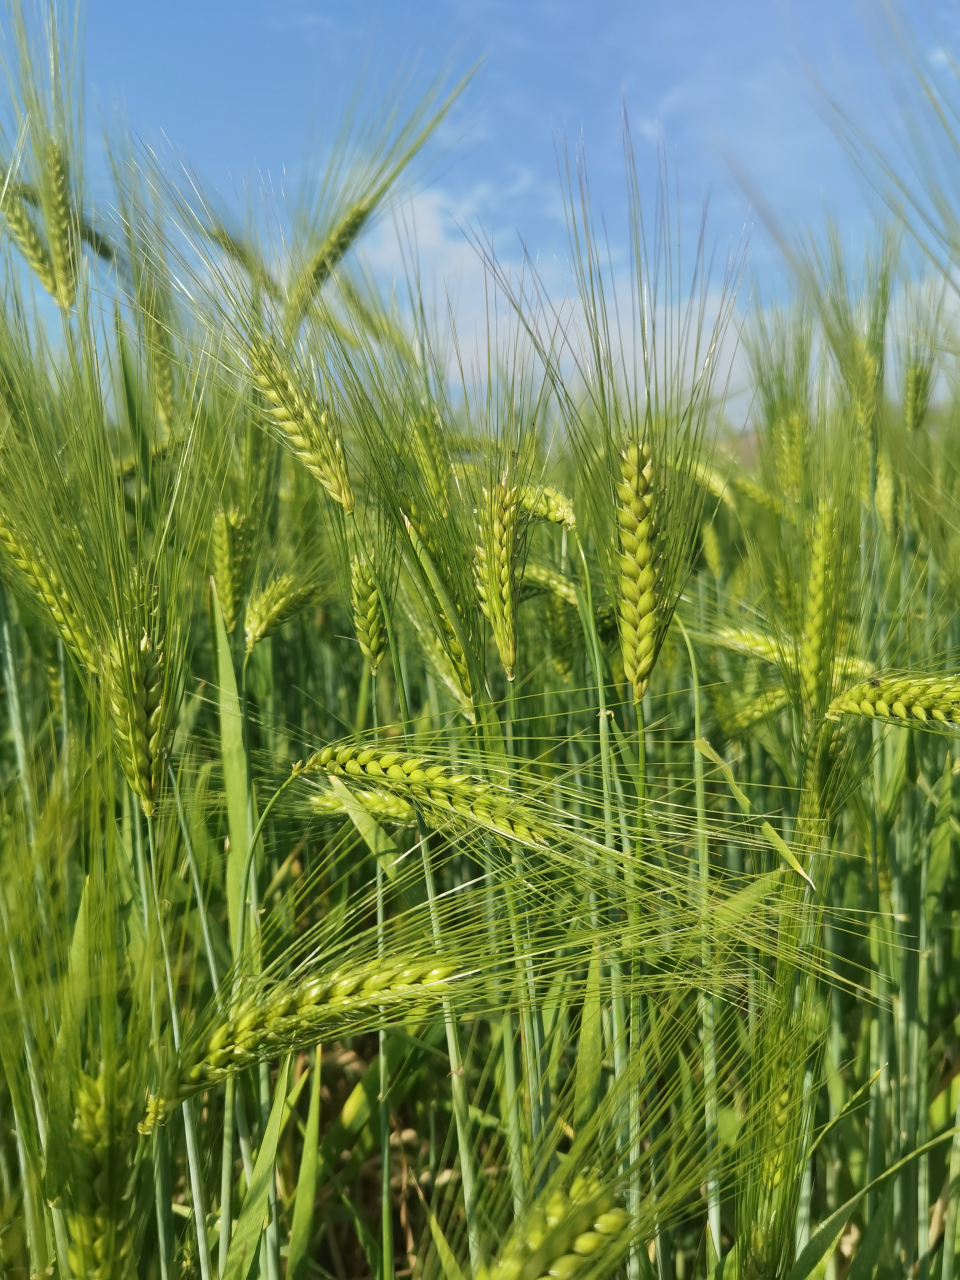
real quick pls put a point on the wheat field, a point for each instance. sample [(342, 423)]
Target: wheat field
[(468, 818)]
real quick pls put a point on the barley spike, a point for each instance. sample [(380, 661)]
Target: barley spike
[(637, 604), (548, 504), (281, 600), (297, 1011), (100, 1218), (444, 798), (29, 242), (911, 698), (46, 585), (368, 619), (310, 431), (60, 232), (814, 613), (563, 1236), (496, 569)]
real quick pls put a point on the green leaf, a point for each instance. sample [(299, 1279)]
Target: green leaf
[(374, 836), (868, 1251), (590, 1050), (253, 1215), (824, 1238), (776, 842), (939, 865), (301, 1229), (234, 762), (368, 1241), (448, 1261)]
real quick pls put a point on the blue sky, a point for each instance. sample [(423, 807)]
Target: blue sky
[(251, 89)]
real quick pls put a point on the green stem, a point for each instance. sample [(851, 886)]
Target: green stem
[(707, 999), (193, 1151), (461, 1110)]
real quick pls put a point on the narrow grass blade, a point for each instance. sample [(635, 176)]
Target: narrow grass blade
[(234, 763), (302, 1226), (253, 1215), (776, 842)]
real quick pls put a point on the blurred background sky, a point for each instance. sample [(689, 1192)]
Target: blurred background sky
[(253, 90)]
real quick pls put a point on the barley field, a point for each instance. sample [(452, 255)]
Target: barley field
[(469, 816)]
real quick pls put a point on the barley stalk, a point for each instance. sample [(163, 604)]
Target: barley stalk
[(496, 568), (637, 604), (368, 621), (309, 430)]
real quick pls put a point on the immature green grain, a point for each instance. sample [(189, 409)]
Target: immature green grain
[(498, 554), (100, 1214), (906, 698), (381, 804), (443, 797), (162, 366), (637, 603), (757, 709), (368, 621), (47, 587), (326, 258), (567, 1234), (548, 504), (766, 1231), (29, 242), (310, 431), (231, 559), (816, 606), (298, 1011), (916, 395), (448, 633), (60, 230), (279, 601), (134, 679)]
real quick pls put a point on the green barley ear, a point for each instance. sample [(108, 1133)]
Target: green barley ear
[(231, 563), (916, 394), (637, 602), (28, 240), (45, 586), (162, 364), (298, 1011), (368, 621), (815, 614), (135, 679), (61, 231), (309, 431), (100, 1216), (279, 601), (911, 698), (498, 555), (548, 504), (564, 1234)]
